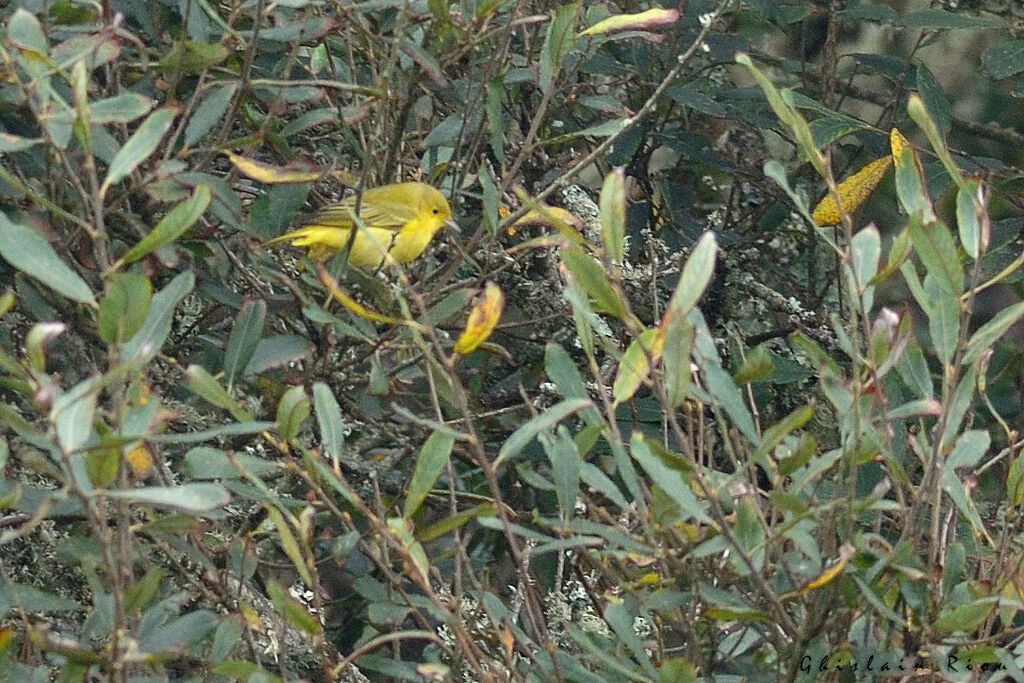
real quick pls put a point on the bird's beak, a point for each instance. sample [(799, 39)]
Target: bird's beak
[(452, 225)]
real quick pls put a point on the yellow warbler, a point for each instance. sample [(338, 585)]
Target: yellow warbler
[(400, 220)]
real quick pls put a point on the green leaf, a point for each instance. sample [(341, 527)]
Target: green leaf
[(124, 307), (635, 364), (941, 19), (72, 414), (190, 57), (140, 146), (490, 194), (671, 474), (557, 43), (193, 498), (775, 434), (496, 117), (965, 618), (29, 252), (934, 245), (866, 252), (24, 30), (32, 599), (225, 638), (724, 391), (292, 411), (696, 276), (563, 372), (228, 430), (290, 608), (651, 18), (828, 129), (918, 111), (328, 417), (621, 622), (675, 359), (289, 543), (244, 337), (788, 115), (142, 592), (910, 185), (119, 109), (943, 320), (206, 386), (204, 462), (934, 99), (277, 351), (546, 421), (613, 215), (14, 143), (565, 469), (992, 331), (173, 225), (592, 278), (968, 211), (430, 463), (1004, 59)]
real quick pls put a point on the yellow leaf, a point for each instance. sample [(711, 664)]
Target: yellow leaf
[(897, 142), (635, 366), (342, 297), (482, 319), (633, 22), (827, 576), (265, 173), (852, 192), (140, 460), (547, 217)]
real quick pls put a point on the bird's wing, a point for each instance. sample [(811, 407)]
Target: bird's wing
[(392, 216)]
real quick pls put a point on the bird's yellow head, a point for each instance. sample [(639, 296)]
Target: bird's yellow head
[(434, 208)]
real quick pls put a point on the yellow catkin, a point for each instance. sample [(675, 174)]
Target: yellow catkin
[(853, 190)]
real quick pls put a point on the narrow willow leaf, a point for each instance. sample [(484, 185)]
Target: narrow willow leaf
[(292, 411), (557, 42), (193, 498), (482, 319), (566, 462), (788, 115), (613, 215), (177, 221), (209, 113), (969, 211), (328, 417), (289, 542), (29, 252), (934, 245), (119, 109), (245, 336), (919, 113), (668, 471), (140, 146), (652, 18), (593, 280), (430, 463), (151, 336), (124, 307), (694, 280), (636, 363), (529, 430)]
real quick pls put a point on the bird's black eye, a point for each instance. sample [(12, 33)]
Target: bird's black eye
[(437, 211)]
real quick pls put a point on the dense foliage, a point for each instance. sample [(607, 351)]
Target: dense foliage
[(689, 395)]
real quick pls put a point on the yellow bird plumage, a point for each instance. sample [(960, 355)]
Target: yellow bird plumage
[(400, 219)]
